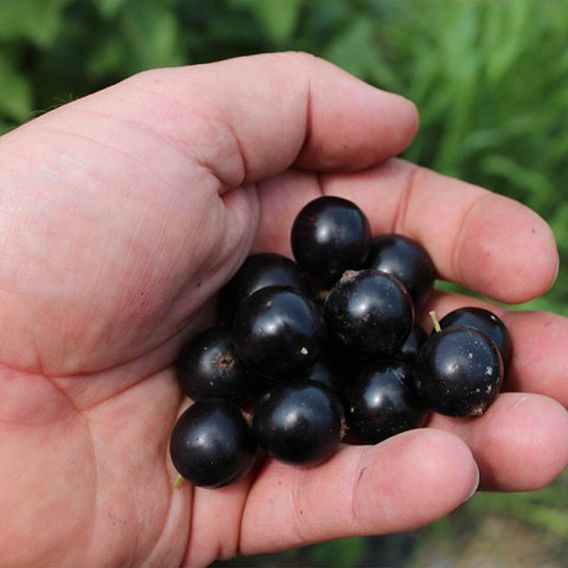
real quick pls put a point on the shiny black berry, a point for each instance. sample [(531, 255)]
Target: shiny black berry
[(278, 332), (485, 321), (212, 444), (406, 259), (260, 271), (369, 313), (382, 402), (329, 236), (209, 367), (409, 350), (327, 370), (300, 422), (458, 372)]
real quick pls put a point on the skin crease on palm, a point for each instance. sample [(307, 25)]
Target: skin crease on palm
[(121, 216)]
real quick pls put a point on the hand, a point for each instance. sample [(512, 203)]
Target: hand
[(121, 216)]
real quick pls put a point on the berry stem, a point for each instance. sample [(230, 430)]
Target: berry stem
[(434, 318), (179, 481)]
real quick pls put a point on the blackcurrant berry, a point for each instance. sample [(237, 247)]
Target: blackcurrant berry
[(329, 236), (406, 259), (382, 402), (300, 422), (369, 313), (458, 372), (485, 321), (411, 346), (278, 332), (260, 271), (326, 370), (209, 367), (212, 444)]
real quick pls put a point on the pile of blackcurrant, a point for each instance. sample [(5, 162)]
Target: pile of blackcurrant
[(326, 349)]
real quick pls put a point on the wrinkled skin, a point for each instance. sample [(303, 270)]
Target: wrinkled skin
[(121, 216)]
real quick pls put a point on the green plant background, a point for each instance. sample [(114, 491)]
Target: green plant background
[(491, 81)]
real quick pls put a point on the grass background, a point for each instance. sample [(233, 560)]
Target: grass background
[(491, 81)]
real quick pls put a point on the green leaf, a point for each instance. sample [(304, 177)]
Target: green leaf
[(338, 553), (38, 21), (152, 34), (352, 49), (107, 58), (535, 184), (15, 91), (357, 51), (110, 8), (278, 17)]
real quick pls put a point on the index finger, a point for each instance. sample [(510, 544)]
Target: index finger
[(488, 242)]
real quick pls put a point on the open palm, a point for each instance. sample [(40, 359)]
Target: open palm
[(121, 216)]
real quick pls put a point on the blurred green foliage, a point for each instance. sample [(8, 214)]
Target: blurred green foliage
[(490, 79)]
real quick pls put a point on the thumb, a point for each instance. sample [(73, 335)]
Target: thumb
[(110, 208), (252, 117)]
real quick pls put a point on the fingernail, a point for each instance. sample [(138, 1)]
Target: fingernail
[(475, 485)]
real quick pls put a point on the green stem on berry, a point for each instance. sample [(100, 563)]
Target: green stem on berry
[(179, 481), (434, 318)]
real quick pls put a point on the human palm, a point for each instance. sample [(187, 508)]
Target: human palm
[(121, 216)]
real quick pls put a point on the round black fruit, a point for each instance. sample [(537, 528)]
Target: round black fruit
[(329, 236), (209, 367), (485, 321), (382, 402), (260, 271), (458, 372), (327, 371), (409, 350), (369, 313), (212, 444), (406, 259), (300, 422), (278, 332)]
